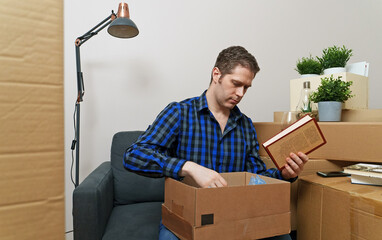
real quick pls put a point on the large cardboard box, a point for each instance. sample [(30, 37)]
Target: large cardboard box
[(265, 131), (239, 211), (361, 115), (31, 120), (349, 115), (311, 167), (333, 208), (359, 88), (346, 141), (351, 141)]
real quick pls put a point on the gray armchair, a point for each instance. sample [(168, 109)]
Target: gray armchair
[(113, 203)]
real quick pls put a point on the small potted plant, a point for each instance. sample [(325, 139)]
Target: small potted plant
[(330, 95), (308, 66), (334, 59)]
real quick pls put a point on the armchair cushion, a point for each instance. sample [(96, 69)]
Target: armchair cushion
[(130, 187), (138, 221)]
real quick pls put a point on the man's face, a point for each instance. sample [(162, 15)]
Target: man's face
[(232, 87)]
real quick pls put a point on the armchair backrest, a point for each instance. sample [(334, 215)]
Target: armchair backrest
[(130, 187)]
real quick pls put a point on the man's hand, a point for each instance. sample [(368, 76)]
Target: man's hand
[(294, 166), (203, 176)]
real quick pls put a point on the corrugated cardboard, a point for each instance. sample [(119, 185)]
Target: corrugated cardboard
[(346, 141), (349, 115), (33, 220), (333, 208), (265, 131), (238, 211), (31, 120), (359, 88), (30, 177), (361, 115), (351, 142), (311, 167)]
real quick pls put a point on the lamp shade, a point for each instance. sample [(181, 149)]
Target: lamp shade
[(123, 26)]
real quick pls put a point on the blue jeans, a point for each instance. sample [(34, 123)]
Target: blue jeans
[(165, 234), (281, 237)]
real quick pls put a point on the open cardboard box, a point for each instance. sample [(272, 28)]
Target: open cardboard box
[(239, 211)]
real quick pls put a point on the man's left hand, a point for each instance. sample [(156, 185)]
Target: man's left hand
[(294, 165)]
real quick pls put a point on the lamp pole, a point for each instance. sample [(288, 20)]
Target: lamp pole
[(80, 86), (120, 26)]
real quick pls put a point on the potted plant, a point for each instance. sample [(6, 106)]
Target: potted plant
[(334, 59), (330, 95), (308, 66)]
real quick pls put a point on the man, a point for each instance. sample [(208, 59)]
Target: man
[(203, 136)]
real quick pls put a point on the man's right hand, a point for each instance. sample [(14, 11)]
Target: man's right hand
[(203, 176)]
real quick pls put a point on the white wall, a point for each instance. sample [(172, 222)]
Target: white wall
[(128, 82)]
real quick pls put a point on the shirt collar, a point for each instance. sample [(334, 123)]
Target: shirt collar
[(202, 104)]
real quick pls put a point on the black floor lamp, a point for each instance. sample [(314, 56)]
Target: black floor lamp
[(121, 26)]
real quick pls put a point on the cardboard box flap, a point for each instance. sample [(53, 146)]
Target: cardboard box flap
[(177, 224), (258, 227), (179, 197), (235, 179)]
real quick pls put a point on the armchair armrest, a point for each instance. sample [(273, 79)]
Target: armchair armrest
[(93, 203)]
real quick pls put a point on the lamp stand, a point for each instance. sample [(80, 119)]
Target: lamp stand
[(81, 89), (121, 26)]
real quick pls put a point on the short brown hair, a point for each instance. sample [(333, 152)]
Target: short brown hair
[(233, 56)]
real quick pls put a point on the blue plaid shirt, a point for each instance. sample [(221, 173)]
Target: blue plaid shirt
[(187, 131)]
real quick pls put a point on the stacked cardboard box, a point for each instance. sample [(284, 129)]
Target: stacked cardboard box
[(311, 167), (360, 139), (359, 88), (333, 208), (31, 122), (346, 141), (349, 115), (356, 139)]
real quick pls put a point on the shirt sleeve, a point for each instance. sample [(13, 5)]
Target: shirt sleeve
[(151, 154)]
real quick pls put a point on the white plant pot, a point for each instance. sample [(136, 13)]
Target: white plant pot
[(329, 111), (329, 71), (308, 75)]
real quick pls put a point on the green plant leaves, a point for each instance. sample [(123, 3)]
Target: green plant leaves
[(332, 89), (308, 66), (335, 57)]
